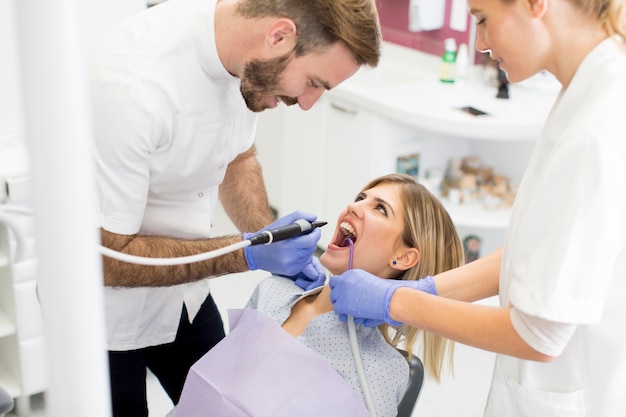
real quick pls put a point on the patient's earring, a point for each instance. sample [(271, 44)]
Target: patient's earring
[(394, 262)]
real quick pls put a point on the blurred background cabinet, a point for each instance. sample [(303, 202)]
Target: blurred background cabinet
[(22, 344), (341, 147)]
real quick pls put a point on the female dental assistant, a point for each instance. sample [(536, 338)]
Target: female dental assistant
[(561, 275)]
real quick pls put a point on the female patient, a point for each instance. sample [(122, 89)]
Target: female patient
[(394, 229)]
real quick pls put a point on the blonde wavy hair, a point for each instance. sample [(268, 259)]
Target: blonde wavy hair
[(610, 13), (428, 228)]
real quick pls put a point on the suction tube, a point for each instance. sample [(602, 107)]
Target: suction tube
[(300, 227), (356, 353), (182, 260)]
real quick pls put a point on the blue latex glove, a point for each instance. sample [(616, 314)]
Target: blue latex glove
[(288, 257), (312, 276), (367, 297)]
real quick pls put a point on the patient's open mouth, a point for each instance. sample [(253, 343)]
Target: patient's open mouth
[(348, 233)]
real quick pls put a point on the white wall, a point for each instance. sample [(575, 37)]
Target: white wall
[(99, 14), (11, 121)]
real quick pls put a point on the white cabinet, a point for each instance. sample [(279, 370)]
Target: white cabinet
[(358, 146), (290, 145), (323, 157), (22, 345)]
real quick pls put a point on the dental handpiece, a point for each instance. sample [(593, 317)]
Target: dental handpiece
[(299, 227)]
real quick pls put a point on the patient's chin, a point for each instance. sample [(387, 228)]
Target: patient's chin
[(334, 264)]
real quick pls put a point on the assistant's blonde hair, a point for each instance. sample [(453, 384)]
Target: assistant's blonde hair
[(428, 228), (610, 13)]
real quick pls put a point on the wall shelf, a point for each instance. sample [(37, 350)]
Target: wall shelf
[(475, 214)]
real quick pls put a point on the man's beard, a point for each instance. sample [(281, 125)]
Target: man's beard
[(260, 79)]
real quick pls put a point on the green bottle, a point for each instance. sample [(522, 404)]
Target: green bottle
[(448, 61)]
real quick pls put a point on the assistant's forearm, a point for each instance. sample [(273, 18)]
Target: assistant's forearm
[(123, 274), (481, 326), (473, 281)]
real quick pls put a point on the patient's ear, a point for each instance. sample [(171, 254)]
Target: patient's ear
[(407, 259)]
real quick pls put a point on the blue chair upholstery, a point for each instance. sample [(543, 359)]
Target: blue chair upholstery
[(416, 378)]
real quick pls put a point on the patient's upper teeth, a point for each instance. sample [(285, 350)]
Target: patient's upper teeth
[(347, 229)]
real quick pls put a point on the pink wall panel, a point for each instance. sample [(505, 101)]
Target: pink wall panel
[(394, 18)]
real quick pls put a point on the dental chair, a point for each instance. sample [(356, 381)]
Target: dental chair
[(6, 402), (416, 378)]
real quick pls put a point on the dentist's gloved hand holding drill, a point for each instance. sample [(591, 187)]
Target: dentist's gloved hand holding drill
[(292, 258), (367, 297)]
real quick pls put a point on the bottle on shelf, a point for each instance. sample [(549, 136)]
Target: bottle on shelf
[(448, 61), (462, 62)]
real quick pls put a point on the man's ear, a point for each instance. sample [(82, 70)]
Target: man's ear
[(408, 259), (282, 34)]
